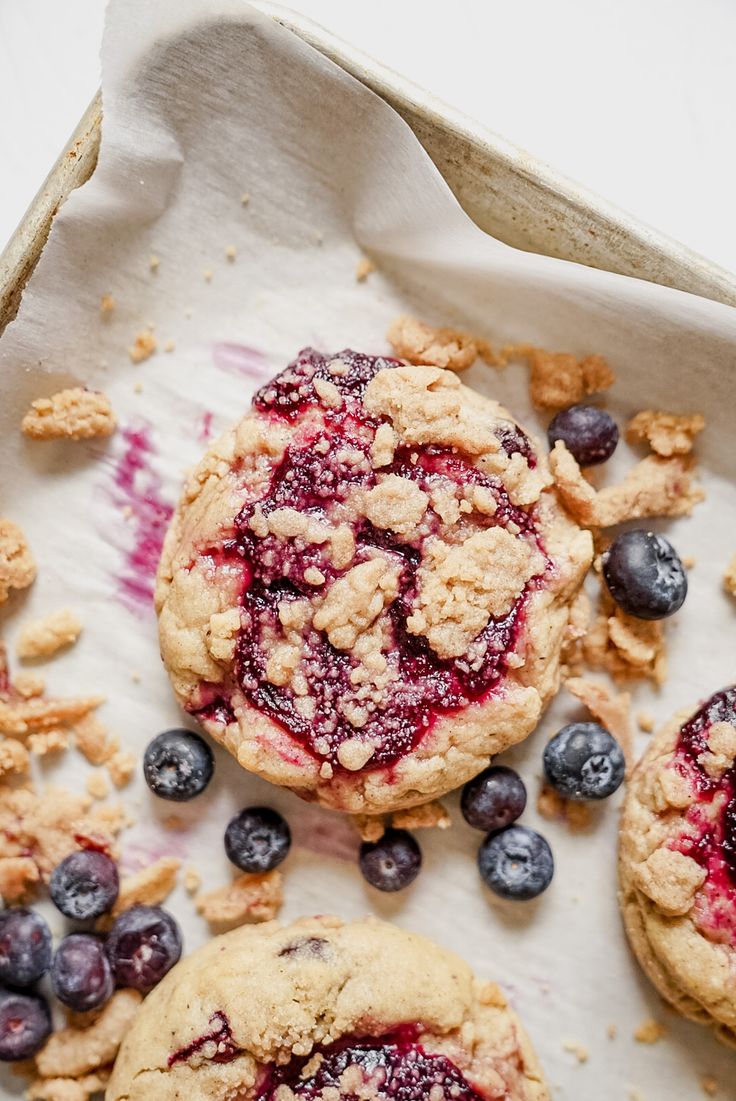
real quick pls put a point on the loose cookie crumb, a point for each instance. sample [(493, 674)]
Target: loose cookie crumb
[(45, 637), (578, 1050), (17, 567), (709, 1085), (558, 379), (554, 807), (645, 721), (121, 767), (67, 1089), (364, 268), (52, 741), (98, 784), (613, 710), (149, 887), (427, 816), (74, 1052), (75, 414), (649, 1032), (107, 305), (94, 741), (666, 433), (627, 647), (371, 827), (14, 758), (425, 345), (29, 685), (729, 577), (612, 1032), (144, 346), (192, 880), (249, 898)]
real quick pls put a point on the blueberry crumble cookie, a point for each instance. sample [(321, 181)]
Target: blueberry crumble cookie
[(321, 1010), (678, 863), (366, 586)]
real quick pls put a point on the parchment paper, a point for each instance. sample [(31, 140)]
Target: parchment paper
[(205, 101)]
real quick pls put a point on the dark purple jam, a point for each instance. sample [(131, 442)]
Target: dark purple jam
[(711, 840), (215, 1046), (399, 1070), (329, 461)]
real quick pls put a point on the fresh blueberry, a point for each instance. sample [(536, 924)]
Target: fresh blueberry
[(516, 863), (391, 863), (588, 433), (25, 947), (85, 884), (257, 839), (25, 1024), (178, 765), (144, 943), (81, 974), (584, 761), (494, 799), (644, 574)]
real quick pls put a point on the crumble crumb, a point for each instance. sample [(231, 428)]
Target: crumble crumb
[(94, 741), (424, 345), (169, 346), (371, 827), (653, 487), (244, 198), (666, 433), (98, 784), (174, 822), (144, 346), (73, 1052), (558, 379), (43, 638), (149, 887), (635, 1094), (688, 561), (612, 1032), (627, 647), (107, 305), (121, 767), (67, 1089), (192, 880), (426, 816), (17, 567), (490, 993), (649, 1031), (364, 268), (645, 721), (51, 741), (249, 898), (555, 807), (207, 275), (138, 388), (709, 1085), (29, 685), (729, 577), (19, 717), (230, 252), (154, 263), (14, 758), (75, 414), (671, 881), (19, 875), (578, 1050), (613, 710)]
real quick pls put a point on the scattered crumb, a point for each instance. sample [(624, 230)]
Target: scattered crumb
[(19, 875), (654, 487), (149, 887), (144, 346), (635, 1094), (52, 741), (729, 577), (688, 561), (154, 263), (174, 822), (17, 567), (613, 710), (73, 1052), (645, 721), (75, 414), (14, 758), (578, 1050), (192, 880), (94, 741), (29, 685), (67, 1089), (666, 433), (231, 252), (121, 767), (709, 1085), (169, 346), (207, 275), (426, 816), (612, 1032), (138, 388), (107, 305), (553, 806), (425, 345), (245, 198), (248, 898), (490, 993), (558, 379), (371, 827), (364, 268), (45, 637), (627, 647), (649, 1032), (98, 784)]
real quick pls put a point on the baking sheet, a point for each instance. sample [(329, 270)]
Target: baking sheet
[(205, 102)]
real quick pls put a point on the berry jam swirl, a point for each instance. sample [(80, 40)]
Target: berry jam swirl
[(710, 836), (396, 1068), (328, 463)]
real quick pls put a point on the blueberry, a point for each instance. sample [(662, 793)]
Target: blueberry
[(25, 1024), (644, 574), (144, 943), (25, 947), (588, 433), (81, 974), (584, 761), (85, 884), (494, 799), (391, 863), (516, 863), (257, 839), (178, 765)]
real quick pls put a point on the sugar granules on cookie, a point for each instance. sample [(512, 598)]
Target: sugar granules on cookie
[(17, 567), (43, 638), (249, 898), (666, 433), (75, 414)]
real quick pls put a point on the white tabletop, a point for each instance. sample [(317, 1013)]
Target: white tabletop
[(633, 99)]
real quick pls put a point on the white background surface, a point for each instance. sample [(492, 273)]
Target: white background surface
[(633, 99)]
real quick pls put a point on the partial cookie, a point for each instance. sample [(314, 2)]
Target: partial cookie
[(365, 588), (324, 1011), (677, 863)]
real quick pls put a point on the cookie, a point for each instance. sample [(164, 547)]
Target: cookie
[(677, 863), (323, 1010), (366, 586)]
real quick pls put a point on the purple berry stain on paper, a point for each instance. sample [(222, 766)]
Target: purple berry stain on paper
[(204, 426), (240, 359)]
